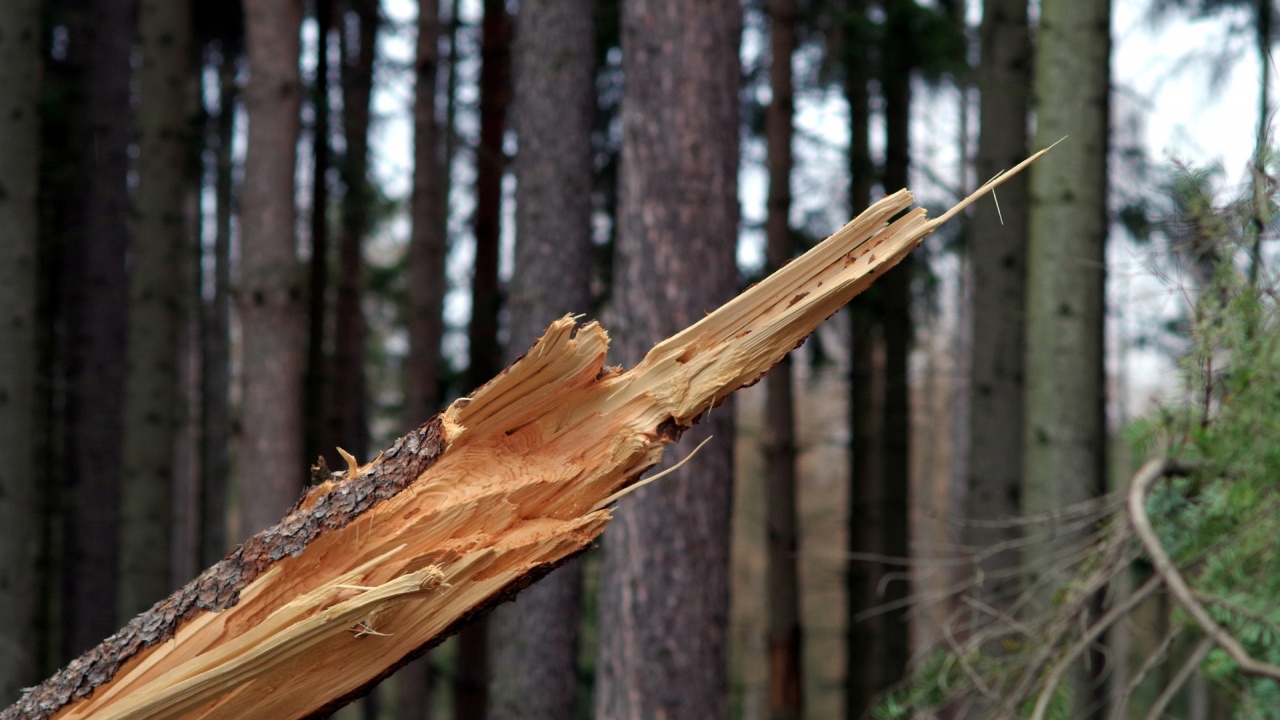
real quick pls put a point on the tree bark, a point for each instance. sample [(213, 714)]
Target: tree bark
[(94, 285), (786, 676), (998, 259), (374, 565), (165, 100), (1065, 432), (215, 333), (534, 641), (270, 296), (20, 506), (664, 598), (317, 381)]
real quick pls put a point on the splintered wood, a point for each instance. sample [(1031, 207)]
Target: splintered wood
[(372, 568)]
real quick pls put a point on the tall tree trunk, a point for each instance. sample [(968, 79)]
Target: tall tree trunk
[(99, 47), (1065, 435), (865, 387), (998, 259), (317, 389), (899, 335), (157, 251), (534, 641), (470, 684), (664, 601), (429, 214), (786, 698), (271, 294), (428, 247), (348, 420), (20, 506), (215, 334)]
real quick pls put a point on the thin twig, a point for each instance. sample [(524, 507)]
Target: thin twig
[(1180, 678)]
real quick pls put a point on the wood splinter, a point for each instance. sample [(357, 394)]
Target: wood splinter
[(461, 513)]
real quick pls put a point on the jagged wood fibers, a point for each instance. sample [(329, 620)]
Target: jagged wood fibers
[(369, 570)]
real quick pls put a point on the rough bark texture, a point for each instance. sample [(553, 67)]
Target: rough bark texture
[(20, 516), (94, 287), (270, 296), (786, 678), (534, 641), (1065, 432), (165, 103), (998, 260), (374, 565), (664, 599), (215, 334)]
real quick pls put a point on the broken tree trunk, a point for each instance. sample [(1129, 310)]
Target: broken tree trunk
[(373, 567)]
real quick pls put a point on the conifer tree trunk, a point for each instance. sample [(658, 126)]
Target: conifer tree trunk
[(215, 334), (786, 677), (158, 249), (898, 332), (317, 387), (94, 285), (998, 259), (534, 641), (270, 296), (20, 516), (865, 388), (664, 601), (471, 683), (1065, 432)]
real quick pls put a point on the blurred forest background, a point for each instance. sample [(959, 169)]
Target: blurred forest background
[(235, 236)]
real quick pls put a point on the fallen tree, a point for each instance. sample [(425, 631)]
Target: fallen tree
[(374, 566)]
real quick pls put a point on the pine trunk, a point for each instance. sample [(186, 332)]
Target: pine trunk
[(94, 301), (664, 598), (1065, 432), (20, 506), (376, 564), (534, 641), (270, 296), (998, 259), (786, 677), (165, 98), (317, 382)]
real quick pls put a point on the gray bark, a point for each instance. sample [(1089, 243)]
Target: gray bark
[(20, 528), (1065, 433), (998, 259), (270, 296), (664, 587), (165, 91), (534, 641)]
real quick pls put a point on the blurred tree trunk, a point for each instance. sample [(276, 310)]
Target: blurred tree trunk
[(429, 213), (270, 296), (20, 506), (158, 250), (898, 332), (215, 334), (99, 44), (786, 677), (534, 641), (664, 601), (317, 387), (348, 419), (865, 384), (470, 684), (998, 259), (1065, 432), (428, 248)]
